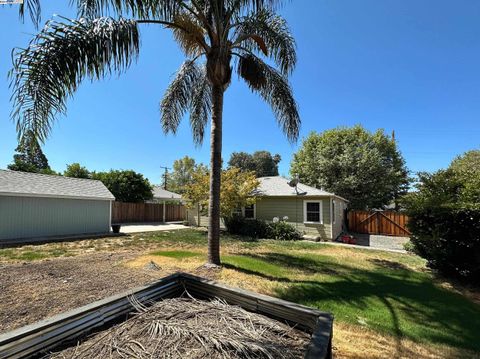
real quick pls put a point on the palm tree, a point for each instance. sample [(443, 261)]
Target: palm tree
[(224, 33), (33, 7)]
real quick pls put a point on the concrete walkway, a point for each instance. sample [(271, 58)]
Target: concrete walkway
[(150, 227), (340, 244), (377, 242)]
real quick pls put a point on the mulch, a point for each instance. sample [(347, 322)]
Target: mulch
[(194, 329)]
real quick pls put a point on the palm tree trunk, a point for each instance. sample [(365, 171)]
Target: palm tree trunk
[(215, 176)]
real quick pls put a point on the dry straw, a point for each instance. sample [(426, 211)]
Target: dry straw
[(190, 328)]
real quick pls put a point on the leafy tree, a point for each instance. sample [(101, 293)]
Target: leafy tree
[(467, 169), (444, 218), (126, 186), (29, 156), (261, 162), (242, 161), (183, 171), (77, 171), (49, 70), (236, 191), (365, 168)]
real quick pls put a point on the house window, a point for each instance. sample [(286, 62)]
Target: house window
[(249, 211), (333, 212), (237, 211), (312, 212)]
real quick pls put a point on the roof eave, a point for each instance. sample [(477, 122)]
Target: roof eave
[(328, 195), (167, 198), (20, 194)]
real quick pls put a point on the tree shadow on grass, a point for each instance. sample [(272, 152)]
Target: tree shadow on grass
[(319, 265), (387, 264), (399, 301)]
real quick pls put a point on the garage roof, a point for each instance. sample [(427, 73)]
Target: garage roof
[(16, 183)]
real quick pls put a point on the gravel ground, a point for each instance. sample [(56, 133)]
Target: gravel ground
[(381, 242), (376, 242), (31, 291)]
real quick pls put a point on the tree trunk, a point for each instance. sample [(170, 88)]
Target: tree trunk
[(215, 176)]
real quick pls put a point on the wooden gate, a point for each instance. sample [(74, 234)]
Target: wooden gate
[(146, 212), (389, 223)]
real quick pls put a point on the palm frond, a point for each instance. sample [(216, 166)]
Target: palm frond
[(143, 9), (201, 106), (177, 98), (33, 8), (189, 34), (51, 68), (274, 88), (273, 30), (255, 5)]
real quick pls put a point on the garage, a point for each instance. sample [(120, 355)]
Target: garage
[(35, 205)]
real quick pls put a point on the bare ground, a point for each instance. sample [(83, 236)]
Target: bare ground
[(31, 291)]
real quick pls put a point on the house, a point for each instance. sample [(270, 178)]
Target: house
[(35, 205), (161, 195), (314, 212)]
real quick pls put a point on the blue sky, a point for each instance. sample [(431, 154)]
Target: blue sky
[(405, 65)]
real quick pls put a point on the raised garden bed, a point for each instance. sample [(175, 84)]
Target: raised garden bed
[(60, 331)]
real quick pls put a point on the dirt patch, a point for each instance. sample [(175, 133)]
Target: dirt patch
[(173, 264), (31, 291)]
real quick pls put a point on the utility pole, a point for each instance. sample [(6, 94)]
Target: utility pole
[(165, 176)]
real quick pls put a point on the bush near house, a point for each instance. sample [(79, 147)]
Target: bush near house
[(255, 228), (252, 228), (283, 231)]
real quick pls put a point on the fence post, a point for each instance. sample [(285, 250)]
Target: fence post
[(164, 210), (198, 215)]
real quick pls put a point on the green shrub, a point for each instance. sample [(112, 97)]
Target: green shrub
[(246, 227), (283, 231), (255, 228), (445, 219), (449, 239), (409, 247)]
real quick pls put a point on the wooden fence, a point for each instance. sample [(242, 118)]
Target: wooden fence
[(147, 212), (389, 223)]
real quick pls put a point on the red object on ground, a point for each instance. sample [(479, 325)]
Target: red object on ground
[(348, 239)]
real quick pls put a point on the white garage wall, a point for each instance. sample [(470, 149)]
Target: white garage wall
[(29, 217)]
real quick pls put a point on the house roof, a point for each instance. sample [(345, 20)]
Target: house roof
[(16, 183), (160, 193), (279, 186)]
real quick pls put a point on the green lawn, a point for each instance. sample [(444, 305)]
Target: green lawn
[(31, 254), (388, 293), (177, 254), (388, 298)]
